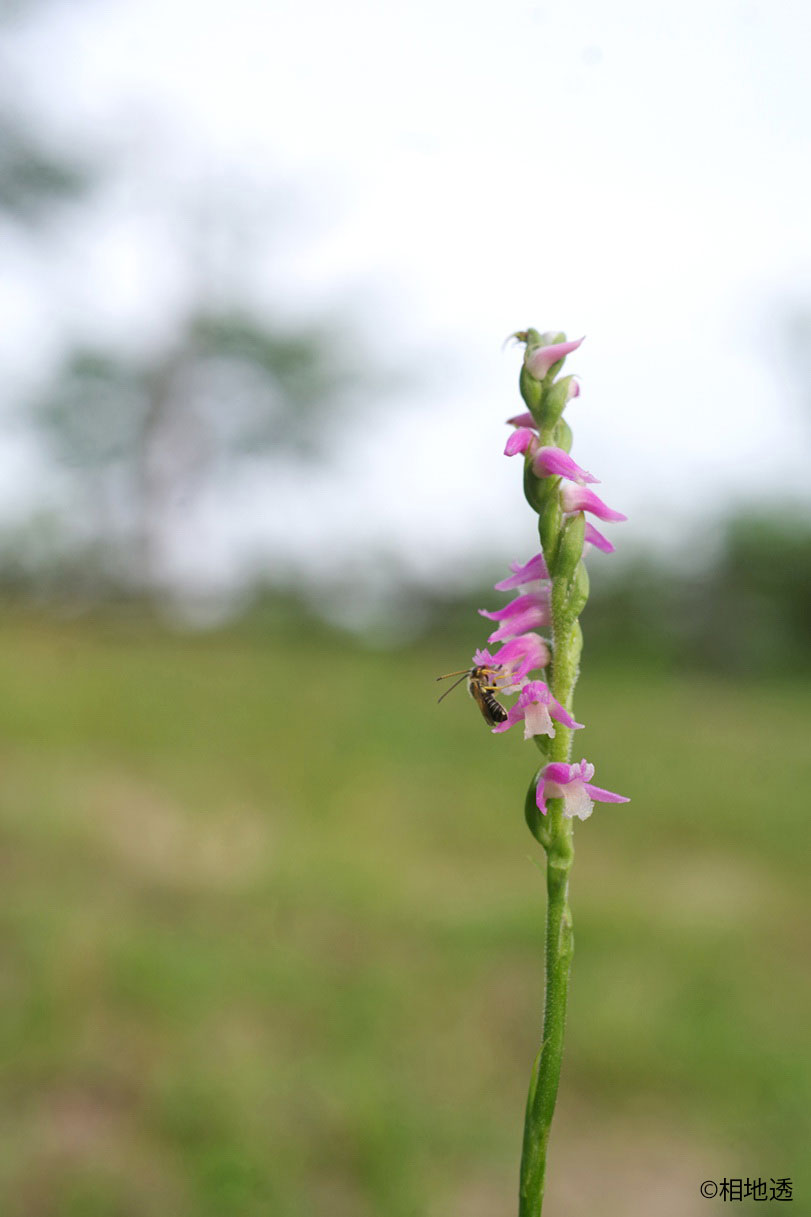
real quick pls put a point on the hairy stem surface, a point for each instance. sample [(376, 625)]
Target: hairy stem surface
[(559, 944)]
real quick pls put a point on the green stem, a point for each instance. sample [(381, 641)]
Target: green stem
[(559, 948), (546, 1071)]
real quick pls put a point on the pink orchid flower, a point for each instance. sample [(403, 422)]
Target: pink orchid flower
[(536, 707), (523, 439), (515, 660), (528, 577), (572, 783), (526, 612), (577, 498), (539, 360), (554, 462), (595, 538)]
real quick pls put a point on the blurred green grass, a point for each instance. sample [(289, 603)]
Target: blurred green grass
[(272, 934)]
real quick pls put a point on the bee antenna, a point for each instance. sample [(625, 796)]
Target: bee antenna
[(455, 683)]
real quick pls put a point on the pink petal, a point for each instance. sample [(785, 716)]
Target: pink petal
[(519, 441), (534, 691), (593, 537), (539, 361), (528, 573), (577, 498), (530, 619), (525, 654), (558, 771), (523, 420), (519, 605), (537, 720), (540, 795), (563, 716), (576, 801), (557, 463), (483, 659), (603, 796)]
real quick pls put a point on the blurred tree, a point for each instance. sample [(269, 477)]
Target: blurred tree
[(142, 438), (32, 178), (752, 610), (138, 440)]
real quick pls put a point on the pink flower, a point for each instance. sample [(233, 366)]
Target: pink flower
[(527, 577), (539, 360), (576, 498), (522, 440), (554, 462), (537, 707), (515, 660), (595, 538), (526, 612), (572, 784)]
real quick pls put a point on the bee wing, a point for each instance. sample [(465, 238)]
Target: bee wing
[(492, 711), (477, 693)]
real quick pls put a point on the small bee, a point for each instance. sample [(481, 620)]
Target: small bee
[(481, 691)]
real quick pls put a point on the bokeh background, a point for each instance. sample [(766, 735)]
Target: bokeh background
[(271, 919)]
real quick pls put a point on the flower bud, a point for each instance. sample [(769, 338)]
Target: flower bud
[(544, 360), (556, 397)]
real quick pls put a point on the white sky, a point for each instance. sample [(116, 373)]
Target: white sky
[(636, 172)]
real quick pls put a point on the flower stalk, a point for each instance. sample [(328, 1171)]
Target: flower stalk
[(554, 486), (551, 591)]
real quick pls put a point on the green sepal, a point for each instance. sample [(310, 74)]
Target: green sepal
[(536, 823), (532, 392), (556, 395), (538, 490), (543, 743), (578, 592), (534, 488), (570, 549), (549, 524), (563, 435)]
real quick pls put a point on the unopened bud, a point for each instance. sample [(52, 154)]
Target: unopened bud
[(542, 359), (556, 397)]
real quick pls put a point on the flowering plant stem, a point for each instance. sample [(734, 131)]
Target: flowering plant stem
[(557, 838), (553, 588), (543, 1087)]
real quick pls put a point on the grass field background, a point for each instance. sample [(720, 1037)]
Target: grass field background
[(272, 926)]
